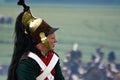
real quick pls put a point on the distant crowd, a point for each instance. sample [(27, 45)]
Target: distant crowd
[(3, 69), (95, 69), (5, 20)]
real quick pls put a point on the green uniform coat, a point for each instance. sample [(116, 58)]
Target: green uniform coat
[(28, 69)]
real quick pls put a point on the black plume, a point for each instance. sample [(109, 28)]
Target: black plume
[(22, 2)]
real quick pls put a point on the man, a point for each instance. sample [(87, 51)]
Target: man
[(34, 57)]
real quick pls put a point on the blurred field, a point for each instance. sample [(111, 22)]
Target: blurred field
[(90, 26)]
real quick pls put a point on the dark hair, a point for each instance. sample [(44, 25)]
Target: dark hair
[(22, 43), (111, 56)]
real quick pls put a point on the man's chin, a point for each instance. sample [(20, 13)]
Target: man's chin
[(52, 49)]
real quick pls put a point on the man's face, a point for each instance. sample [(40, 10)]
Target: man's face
[(52, 40)]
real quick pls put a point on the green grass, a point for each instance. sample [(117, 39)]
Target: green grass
[(2, 77), (90, 26)]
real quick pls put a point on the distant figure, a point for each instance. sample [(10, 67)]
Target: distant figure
[(98, 50), (3, 69), (97, 59), (74, 63), (2, 19), (99, 56), (91, 62), (9, 20), (112, 65)]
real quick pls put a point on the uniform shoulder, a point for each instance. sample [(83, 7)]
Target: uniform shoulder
[(24, 56), (56, 54)]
